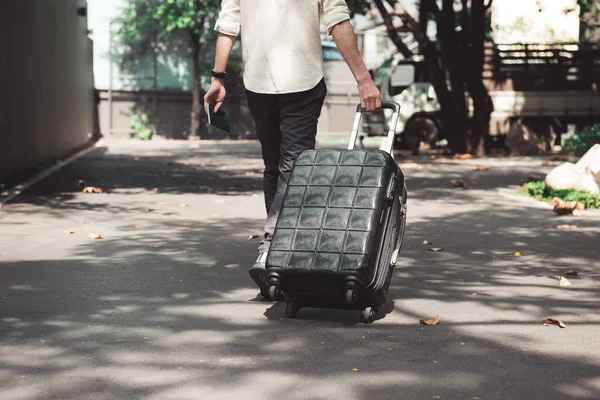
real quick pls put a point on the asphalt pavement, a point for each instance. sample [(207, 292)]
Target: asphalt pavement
[(162, 306)]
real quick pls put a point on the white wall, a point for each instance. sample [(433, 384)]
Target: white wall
[(535, 21)]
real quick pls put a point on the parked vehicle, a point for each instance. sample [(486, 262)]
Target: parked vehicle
[(547, 87)]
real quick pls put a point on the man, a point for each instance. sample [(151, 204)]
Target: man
[(285, 88)]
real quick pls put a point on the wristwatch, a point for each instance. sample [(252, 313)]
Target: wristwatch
[(220, 75)]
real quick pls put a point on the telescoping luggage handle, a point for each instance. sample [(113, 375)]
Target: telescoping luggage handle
[(389, 145)]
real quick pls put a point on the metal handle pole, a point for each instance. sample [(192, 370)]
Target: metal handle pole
[(389, 145)]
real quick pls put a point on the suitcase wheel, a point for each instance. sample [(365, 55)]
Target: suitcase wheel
[(292, 308), (274, 292), (351, 296), (368, 315)]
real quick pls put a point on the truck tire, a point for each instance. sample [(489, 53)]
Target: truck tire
[(420, 129)]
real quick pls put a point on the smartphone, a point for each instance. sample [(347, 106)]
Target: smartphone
[(219, 119)]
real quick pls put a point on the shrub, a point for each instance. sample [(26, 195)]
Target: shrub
[(582, 141), (538, 190)]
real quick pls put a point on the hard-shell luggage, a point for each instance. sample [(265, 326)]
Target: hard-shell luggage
[(340, 228)]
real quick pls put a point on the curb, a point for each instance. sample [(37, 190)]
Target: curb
[(18, 189)]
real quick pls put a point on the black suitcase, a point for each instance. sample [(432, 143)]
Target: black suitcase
[(340, 228)]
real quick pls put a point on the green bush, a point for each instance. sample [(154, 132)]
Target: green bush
[(539, 191), (140, 122), (582, 141)]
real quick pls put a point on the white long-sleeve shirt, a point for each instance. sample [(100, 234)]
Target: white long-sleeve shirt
[(281, 42)]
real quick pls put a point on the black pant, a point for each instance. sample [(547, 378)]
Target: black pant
[(286, 125)]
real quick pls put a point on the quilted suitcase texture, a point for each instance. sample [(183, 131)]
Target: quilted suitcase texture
[(339, 230)]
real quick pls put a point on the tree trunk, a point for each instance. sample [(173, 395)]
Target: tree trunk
[(197, 103), (482, 102)]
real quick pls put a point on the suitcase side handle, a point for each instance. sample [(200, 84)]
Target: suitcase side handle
[(389, 145)]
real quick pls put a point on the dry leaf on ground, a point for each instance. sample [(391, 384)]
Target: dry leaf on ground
[(564, 282), (410, 165), (155, 245), (433, 321), (465, 156), (571, 272), (460, 183), (95, 236), (139, 227), (250, 237), (566, 227), (480, 167), (155, 190), (69, 231), (92, 189), (546, 163), (149, 209), (562, 207), (426, 242), (554, 321), (436, 248), (517, 254)]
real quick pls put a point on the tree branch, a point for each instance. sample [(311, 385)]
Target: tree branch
[(392, 33)]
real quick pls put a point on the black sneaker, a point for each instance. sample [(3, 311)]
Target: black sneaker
[(258, 273)]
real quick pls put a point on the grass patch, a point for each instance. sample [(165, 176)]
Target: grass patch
[(539, 191)]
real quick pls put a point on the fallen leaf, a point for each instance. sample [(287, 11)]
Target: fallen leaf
[(571, 272), (432, 157), (460, 183), (149, 209), (554, 321), (145, 338), (433, 321), (426, 242), (355, 369), (250, 237), (474, 294), (562, 207), (92, 189), (517, 254), (249, 174), (139, 227), (410, 165), (465, 156), (69, 231), (564, 282), (546, 163), (436, 248), (480, 167), (566, 227), (155, 245), (95, 236), (155, 190)]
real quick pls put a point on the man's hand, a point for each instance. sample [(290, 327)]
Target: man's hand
[(370, 98), (215, 95)]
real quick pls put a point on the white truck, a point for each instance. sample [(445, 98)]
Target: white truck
[(548, 107)]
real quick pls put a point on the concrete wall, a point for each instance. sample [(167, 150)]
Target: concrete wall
[(46, 82)]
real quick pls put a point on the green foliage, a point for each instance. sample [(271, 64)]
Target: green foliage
[(582, 141), (146, 26), (538, 190), (140, 122)]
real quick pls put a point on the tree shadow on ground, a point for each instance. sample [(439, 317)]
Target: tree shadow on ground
[(118, 319)]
